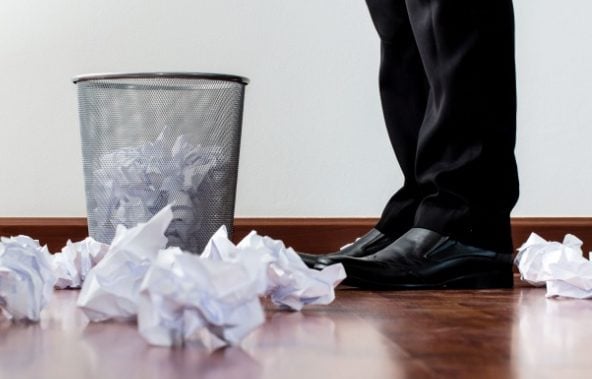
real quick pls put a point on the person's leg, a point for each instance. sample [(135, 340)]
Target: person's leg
[(403, 90), (465, 166)]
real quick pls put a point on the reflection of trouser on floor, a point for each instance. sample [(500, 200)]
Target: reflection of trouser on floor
[(448, 90)]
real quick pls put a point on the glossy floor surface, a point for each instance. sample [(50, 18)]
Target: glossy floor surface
[(415, 334)]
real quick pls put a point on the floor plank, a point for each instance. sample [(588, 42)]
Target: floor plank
[(514, 333)]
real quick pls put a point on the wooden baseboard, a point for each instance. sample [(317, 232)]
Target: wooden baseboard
[(314, 235), (321, 235)]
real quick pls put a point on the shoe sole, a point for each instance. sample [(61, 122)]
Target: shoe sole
[(488, 280)]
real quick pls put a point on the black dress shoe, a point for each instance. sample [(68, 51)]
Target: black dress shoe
[(370, 243), (423, 259)]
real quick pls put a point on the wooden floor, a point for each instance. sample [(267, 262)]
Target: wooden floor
[(456, 334)]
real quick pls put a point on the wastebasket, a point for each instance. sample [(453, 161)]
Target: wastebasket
[(152, 139)]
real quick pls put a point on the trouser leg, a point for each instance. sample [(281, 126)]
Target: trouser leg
[(403, 90), (465, 170)]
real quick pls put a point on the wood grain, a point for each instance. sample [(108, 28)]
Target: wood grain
[(513, 333), (313, 235)]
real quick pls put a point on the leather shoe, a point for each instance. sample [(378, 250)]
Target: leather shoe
[(370, 243), (423, 259)]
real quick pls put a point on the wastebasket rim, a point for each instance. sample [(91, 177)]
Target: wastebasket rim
[(152, 75)]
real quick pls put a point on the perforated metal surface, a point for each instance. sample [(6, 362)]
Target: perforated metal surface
[(151, 141)]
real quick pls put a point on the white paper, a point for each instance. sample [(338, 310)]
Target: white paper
[(111, 288), (288, 281), (72, 264), (560, 266), (26, 278), (134, 183), (291, 283), (561, 288), (184, 295)]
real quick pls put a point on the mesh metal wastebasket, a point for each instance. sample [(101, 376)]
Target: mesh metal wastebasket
[(152, 139)]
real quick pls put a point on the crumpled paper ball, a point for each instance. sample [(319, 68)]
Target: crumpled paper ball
[(537, 257), (73, 263), (111, 288), (290, 283), (183, 295), (560, 266), (287, 280), (26, 278)]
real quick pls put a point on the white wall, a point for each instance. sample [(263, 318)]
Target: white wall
[(314, 143)]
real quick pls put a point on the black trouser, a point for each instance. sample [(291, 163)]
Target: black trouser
[(448, 89)]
